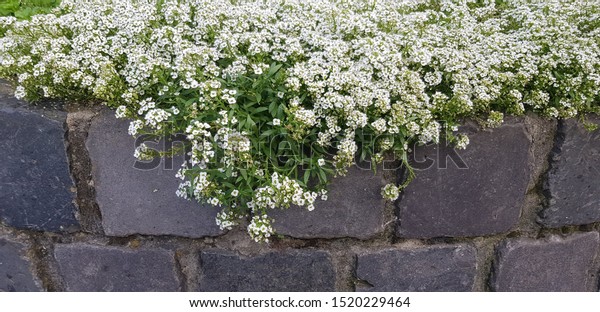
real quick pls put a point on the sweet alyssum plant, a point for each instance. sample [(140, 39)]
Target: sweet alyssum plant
[(277, 96)]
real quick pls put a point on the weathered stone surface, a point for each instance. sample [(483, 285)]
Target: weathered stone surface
[(572, 181), (354, 208), (554, 264), (15, 269), (293, 270), (140, 200), (95, 268), (437, 268), (471, 192), (35, 183)]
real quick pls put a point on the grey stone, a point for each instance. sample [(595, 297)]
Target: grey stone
[(472, 192), (437, 268), (354, 208), (293, 270), (96, 268), (572, 181), (15, 269), (135, 200), (553, 264), (35, 182)]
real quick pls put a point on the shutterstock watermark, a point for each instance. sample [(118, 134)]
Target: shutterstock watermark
[(280, 148), (439, 156)]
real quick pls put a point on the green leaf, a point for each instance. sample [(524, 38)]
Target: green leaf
[(273, 108), (250, 122), (229, 185), (260, 109), (24, 13), (322, 176), (8, 8), (274, 69), (306, 176), (244, 174)]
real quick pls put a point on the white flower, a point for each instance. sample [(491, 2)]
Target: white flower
[(380, 125), (321, 162), (276, 122), (142, 152), (226, 220), (20, 92), (234, 193), (121, 111), (462, 141), (260, 228), (135, 126), (390, 192)]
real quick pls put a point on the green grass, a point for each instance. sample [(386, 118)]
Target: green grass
[(24, 9)]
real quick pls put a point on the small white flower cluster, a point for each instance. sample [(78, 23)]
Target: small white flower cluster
[(390, 192), (226, 220), (281, 193), (142, 152), (155, 117), (135, 126), (344, 158), (380, 125), (121, 111), (260, 228), (462, 141), (225, 72), (495, 119)]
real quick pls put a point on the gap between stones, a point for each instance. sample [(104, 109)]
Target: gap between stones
[(78, 124), (44, 264)]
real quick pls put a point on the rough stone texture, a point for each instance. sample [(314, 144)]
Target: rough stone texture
[(437, 268), (354, 208), (572, 181), (35, 183), (15, 269), (140, 201), (483, 198), (555, 264), (95, 268), (292, 270)]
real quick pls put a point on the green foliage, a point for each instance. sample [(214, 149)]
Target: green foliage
[(24, 9)]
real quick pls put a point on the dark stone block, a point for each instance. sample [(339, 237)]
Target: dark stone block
[(354, 208), (554, 264), (472, 192), (293, 270), (15, 268), (96, 268), (35, 182), (437, 268), (572, 181), (140, 201)]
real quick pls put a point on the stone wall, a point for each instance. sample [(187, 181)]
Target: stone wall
[(518, 210)]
